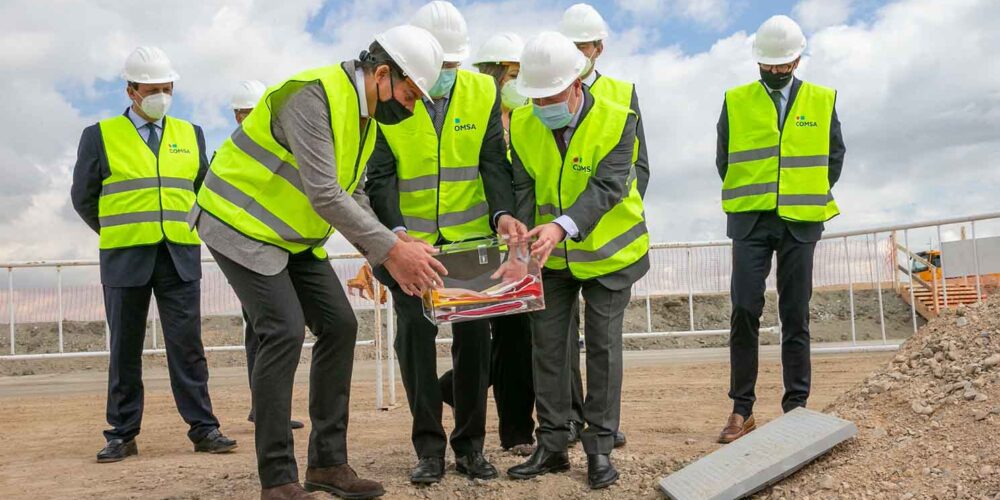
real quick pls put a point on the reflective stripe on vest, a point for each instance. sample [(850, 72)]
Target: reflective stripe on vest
[(619, 92), (783, 169), (254, 185), (440, 190), (146, 198), (620, 238)]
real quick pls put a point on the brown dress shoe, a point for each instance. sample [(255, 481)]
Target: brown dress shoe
[(736, 428), (290, 491), (341, 480)]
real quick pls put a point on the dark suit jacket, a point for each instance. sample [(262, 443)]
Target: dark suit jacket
[(126, 267), (494, 169), (738, 226), (605, 189), (642, 161)]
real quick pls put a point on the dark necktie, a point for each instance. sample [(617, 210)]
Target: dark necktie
[(560, 135), (439, 113), (153, 141), (776, 97)]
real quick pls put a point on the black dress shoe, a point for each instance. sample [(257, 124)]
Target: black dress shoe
[(620, 439), (117, 450), (540, 462), (601, 473), (215, 442), (574, 433), (429, 470), (475, 466)]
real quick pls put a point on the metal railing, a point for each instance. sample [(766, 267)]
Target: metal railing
[(678, 269)]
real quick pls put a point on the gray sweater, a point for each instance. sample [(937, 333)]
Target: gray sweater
[(302, 126)]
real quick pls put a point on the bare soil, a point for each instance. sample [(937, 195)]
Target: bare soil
[(928, 420), (674, 404), (831, 322)]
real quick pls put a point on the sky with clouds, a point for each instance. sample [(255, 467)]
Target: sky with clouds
[(918, 81)]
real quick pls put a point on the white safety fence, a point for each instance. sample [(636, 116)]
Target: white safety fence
[(869, 259)]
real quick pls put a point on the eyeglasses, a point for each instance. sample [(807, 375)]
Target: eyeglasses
[(780, 68)]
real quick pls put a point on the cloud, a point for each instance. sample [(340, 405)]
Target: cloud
[(713, 14), (918, 96), (818, 14)]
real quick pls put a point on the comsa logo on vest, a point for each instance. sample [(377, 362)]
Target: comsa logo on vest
[(578, 166), (800, 121), (459, 126), (174, 149)]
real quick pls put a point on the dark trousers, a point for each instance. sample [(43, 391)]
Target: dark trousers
[(306, 293), (553, 346), (751, 265), (576, 414), (250, 343), (510, 376), (179, 304), (417, 355)]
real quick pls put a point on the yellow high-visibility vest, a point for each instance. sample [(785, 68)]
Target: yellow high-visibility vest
[(147, 197), (784, 169)]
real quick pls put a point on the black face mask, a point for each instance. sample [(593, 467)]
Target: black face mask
[(775, 81), (391, 111)]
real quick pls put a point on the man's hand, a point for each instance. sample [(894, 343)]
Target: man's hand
[(403, 235), (413, 266), (512, 230), (549, 235)]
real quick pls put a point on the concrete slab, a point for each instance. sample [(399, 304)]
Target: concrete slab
[(761, 458)]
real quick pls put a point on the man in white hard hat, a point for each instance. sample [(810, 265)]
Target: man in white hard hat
[(780, 151), (244, 99), (444, 177), (134, 181), (574, 180), (582, 24), (277, 188)]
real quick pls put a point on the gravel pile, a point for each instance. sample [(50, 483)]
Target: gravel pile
[(929, 421)]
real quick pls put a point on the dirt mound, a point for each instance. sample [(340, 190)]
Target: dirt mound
[(928, 421)]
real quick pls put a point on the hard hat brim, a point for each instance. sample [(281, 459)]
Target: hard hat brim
[(540, 92), (457, 56), (173, 77), (778, 60), (581, 39)]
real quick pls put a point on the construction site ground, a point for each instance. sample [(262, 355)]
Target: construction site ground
[(674, 403), (831, 322)]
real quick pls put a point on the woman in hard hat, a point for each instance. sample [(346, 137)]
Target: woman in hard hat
[(571, 154), (277, 188)]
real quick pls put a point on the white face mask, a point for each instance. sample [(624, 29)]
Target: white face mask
[(156, 106)]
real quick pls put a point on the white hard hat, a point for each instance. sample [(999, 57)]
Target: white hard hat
[(550, 63), (247, 94), (446, 23), (582, 23), (149, 65), (502, 47), (778, 41), (416, 52)]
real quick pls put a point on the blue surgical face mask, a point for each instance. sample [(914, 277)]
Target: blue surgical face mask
[(554, 116), (444, 83)]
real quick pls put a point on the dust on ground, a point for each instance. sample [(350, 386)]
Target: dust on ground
[(830, 309), (672, 412), (928, 420)]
